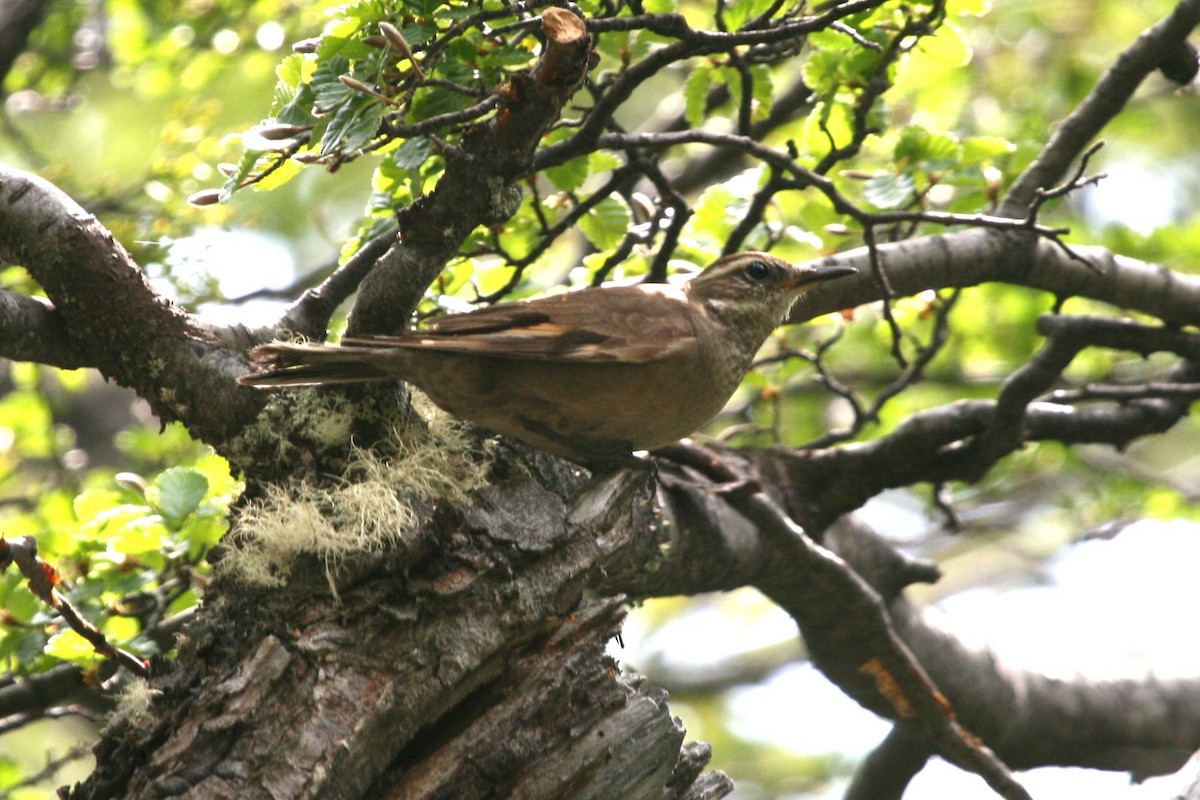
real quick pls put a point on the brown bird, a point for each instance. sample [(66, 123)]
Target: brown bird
[(590, 375)]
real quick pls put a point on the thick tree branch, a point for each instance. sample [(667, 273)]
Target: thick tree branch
[(18, 19), (479, 186), (32, 330), (108, 316), (32, 696), (706, 545), (850, 638), (1103, 103), (838, 480), (1140, 724), (973, 257), (427, 651)]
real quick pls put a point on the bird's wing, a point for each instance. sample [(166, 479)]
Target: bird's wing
[(628, 324)]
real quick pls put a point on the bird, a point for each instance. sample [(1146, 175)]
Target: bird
[(591, 375)]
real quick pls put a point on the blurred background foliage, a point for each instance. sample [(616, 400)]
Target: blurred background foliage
[(132, 107)]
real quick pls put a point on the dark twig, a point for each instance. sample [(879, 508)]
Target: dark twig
[(886, 295), (1076, 182), (44, 581), (52, 767), (469, 114), (1104, 102), (309, 315), (941, 501), (804, 178), (857, 37), (1142, 391), (851, 640), (912, 374), (676, 213), (754, 213)]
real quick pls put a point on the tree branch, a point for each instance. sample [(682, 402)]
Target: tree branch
[(973, 257), (479, 185), (1103, 103), (850, 638), (18, 19), (309, 315), (31, 330), (705, 545), (106, 315)]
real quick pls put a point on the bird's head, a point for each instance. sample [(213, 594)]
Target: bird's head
[(756, 284)]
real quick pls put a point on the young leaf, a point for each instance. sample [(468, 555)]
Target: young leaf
[(180, 491)]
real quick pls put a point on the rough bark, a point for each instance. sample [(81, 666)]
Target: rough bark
[(469, 664), (466, 660)]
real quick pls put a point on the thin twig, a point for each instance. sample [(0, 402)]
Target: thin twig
[(44, 581)]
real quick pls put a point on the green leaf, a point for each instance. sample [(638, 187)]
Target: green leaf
[(889, 191), (298, 110), (603, 161), (569, 176), (739, 12), (983, 149), (279, 176), (328, 90), (353, 125), (930, 150), (821, 71), (20, 603), (949, 45), (23, 644), (711, 217), (178, 492), (413, 153), (424, 8), (91, 505), (606, 224), (763, 90), (244, 168), (67, 645), (695, 92), (295, 70), (11, 773)]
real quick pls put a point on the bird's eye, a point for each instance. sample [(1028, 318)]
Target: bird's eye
[(757, 270)]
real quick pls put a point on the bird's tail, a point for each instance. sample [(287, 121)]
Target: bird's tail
[(283, 364)]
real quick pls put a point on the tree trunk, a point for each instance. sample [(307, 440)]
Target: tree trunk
[(467, 662)]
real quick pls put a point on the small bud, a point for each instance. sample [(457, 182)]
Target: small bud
[(356, 84), (642, 206), (359, 86), (306, 45), (397, 40), (132, 481), (282, 131), (205, 197)]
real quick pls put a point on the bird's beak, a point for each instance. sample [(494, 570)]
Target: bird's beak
[(814, 275)]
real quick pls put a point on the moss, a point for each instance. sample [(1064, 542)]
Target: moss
[(372, 504), (134, 701)]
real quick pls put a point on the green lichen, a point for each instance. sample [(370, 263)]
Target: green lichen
[(371, 505)]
